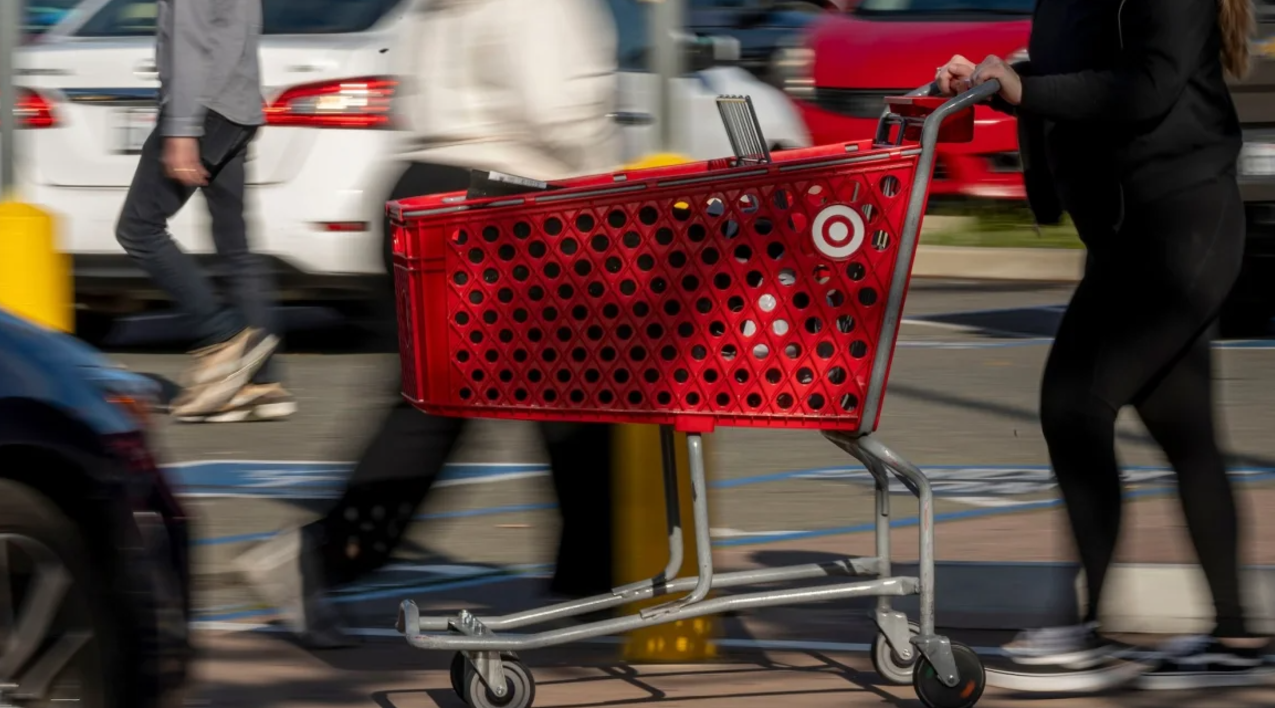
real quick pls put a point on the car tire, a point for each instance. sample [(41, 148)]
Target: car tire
[(44, 556)]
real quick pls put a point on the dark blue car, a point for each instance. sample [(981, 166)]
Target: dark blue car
[(93, 544), (764, 28)]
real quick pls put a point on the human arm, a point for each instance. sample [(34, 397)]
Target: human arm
[(183, 114), (1162, 43)]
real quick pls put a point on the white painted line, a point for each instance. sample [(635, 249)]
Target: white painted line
[(736, 533)]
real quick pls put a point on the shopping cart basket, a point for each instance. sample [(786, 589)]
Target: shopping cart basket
[(758, 290)]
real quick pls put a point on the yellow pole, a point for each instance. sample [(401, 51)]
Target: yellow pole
[(642, 545), (641, 536), (35, 279)]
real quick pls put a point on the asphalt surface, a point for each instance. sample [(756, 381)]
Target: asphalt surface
[(961, 403)]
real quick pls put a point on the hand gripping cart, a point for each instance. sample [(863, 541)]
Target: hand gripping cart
[(758, 291)]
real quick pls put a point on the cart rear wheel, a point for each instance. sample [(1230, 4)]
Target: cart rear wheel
[(887, 662), (968, 689), (520, 688), (459, 664)]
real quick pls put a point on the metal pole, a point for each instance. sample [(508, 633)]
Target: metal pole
[(668, 63), (10, 33)]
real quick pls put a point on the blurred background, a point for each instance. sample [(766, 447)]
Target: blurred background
[(989, 289)]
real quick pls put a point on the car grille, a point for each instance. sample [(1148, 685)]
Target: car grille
[(857, 103)]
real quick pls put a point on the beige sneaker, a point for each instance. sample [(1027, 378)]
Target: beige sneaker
[(220, 371), (253, 402)]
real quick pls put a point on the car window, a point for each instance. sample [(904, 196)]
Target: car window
[(632, 38), (40, 15), (136, 18), (939, 7)]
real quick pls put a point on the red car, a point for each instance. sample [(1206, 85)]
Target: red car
[(853, 59)]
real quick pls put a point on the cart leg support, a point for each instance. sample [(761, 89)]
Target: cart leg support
[(703, 540), (878, 457), (673, 517)]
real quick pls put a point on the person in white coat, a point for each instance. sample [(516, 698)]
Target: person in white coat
[(515, 86)]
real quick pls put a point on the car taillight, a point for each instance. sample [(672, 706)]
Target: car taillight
[(347, 103), (33, 110)]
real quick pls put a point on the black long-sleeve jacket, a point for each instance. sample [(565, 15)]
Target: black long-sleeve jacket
[(1127, 95)]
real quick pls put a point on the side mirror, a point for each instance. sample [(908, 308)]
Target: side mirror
[(705, 52)]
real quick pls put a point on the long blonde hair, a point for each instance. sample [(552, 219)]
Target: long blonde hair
[(1238, 22)]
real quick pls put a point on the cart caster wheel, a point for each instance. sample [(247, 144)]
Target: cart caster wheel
[(968, 689), (520, 688), (459, 665), (887, 662)]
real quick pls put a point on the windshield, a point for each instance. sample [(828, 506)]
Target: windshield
[(946, 7), (40, 15), (136, 18)]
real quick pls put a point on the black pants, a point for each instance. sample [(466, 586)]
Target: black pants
[(153, 199), (1138, 332), (397, 470)]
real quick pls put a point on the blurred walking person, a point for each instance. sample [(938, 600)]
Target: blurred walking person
[(523, 88), (1129, 127), (210, 109)]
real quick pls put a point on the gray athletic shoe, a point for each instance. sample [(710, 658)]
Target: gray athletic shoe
[(1078, 647), (286, 572)]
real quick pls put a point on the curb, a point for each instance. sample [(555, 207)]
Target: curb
[(1054, 265), (1141, 598)]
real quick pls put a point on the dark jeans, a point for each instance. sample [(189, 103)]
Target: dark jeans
[(397, 470), (153, 199), (1137, 332)]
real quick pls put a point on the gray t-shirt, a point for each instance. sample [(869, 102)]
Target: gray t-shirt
[(206, 52)]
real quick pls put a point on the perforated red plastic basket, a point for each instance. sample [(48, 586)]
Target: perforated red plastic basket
[(697, 295)]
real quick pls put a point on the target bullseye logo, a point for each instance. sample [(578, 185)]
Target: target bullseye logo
[(838, 231)]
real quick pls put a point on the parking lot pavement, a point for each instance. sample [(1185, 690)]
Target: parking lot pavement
[(961, 403)]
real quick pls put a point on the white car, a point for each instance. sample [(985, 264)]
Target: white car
[(318, 180)]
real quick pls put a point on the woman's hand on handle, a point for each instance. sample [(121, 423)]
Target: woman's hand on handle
[(994, 67), (954, 76)]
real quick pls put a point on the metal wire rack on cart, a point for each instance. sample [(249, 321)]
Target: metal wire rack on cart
[(756, 291)]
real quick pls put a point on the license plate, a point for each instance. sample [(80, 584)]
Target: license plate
[(1257, 160), (131, 128)]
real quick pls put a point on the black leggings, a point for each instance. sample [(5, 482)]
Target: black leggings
[(405, 457), (1138, 331)]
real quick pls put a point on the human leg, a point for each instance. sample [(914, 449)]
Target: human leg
[(228, 352), (361, 530), (1149, 293), (580, 456)]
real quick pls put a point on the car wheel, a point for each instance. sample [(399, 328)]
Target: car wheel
[(58, 634)]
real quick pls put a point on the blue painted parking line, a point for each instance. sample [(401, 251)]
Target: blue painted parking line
[(461, 514), (311, 480), (979, 486), (524, 571)]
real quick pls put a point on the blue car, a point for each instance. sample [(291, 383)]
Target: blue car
[(94, 567)]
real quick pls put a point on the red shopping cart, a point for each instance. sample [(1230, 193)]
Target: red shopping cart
[(760, 290)]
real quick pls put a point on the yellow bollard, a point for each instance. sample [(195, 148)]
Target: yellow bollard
[(642, 541), (641, 537), (35, 276)]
